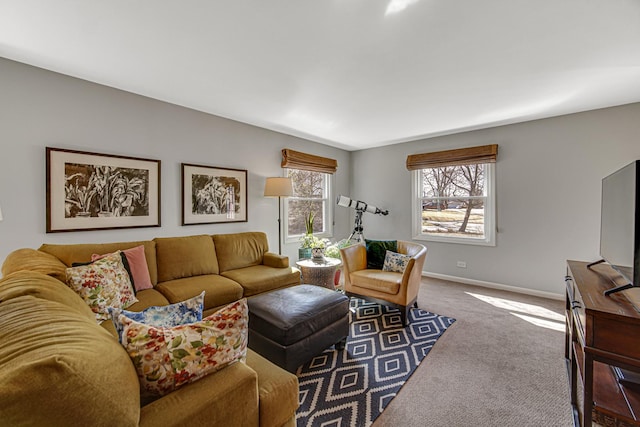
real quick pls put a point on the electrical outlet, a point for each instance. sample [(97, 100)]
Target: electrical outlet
[(461, 264)]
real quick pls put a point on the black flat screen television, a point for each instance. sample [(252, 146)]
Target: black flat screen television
[(620, 224)]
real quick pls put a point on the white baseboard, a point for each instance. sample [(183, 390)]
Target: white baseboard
[(492, 285)]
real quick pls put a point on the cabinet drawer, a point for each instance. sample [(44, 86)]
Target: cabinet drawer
[(617, 337)]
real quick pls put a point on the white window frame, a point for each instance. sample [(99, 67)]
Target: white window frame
[(489, 214), (327, 209)]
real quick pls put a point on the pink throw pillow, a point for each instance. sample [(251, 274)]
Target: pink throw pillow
[(137, 265)]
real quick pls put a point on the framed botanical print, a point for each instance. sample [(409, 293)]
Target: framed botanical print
[(213, 194), (91, 191)]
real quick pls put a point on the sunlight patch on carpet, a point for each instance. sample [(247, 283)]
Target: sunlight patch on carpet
[(534, 314)]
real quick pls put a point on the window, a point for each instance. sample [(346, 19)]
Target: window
[(454, 196), (311, 193)]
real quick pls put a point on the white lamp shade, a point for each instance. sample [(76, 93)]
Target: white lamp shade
[(278, 187), (0, 214)]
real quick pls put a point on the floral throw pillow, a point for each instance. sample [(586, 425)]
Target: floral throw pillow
[(137, 267), (102, 284), (167, 316), (167, 358), (395, 262)]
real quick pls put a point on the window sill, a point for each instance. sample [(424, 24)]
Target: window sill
[(456, 240)]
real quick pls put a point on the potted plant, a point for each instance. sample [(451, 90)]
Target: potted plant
[(308, 222), (308, 241)]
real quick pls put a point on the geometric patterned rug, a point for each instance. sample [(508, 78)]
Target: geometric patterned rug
[(350, 388)]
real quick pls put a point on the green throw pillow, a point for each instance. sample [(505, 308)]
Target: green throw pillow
[(376, 251)]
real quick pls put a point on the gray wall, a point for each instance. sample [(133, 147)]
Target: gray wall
[(39, 108), (548, 194), (548, 174)]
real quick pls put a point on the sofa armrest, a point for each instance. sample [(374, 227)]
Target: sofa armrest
[(226, 397), (34, 260), (274, 260)]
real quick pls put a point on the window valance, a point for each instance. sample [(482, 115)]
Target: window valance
[(297, 160), (461, 156)]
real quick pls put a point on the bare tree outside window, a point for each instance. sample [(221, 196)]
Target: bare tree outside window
[(453, 201), (309, 195)]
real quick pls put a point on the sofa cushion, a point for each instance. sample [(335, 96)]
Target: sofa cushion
[(69, 254), (218, 290), (188, 311), (238, 250), (188, 256), (58, 366), (137, 267), (148, 298), (376, 251), (33, 260), (102, 284), (167, 358), (278, 390), (206, 402), (260, 278)]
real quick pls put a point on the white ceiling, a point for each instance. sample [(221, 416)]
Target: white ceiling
[(353, 74)]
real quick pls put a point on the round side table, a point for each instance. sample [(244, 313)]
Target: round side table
[(320, 273)]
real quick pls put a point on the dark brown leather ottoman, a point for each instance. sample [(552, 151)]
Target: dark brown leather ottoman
[(290, 326)]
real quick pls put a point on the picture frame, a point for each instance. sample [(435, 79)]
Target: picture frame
[(212, 194), (93, 191)]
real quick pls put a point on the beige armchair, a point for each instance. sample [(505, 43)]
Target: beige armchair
[(398, 290)]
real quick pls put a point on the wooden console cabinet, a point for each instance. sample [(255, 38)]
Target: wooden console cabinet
[(602, 332)]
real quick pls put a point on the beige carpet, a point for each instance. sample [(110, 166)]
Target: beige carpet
[(500, 364)]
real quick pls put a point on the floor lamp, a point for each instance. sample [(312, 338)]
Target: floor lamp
[(278, 187)]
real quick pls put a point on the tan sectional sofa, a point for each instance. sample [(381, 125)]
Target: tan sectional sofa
[(59, 367)]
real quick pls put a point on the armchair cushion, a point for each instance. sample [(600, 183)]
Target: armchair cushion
[(377, 250), (387, 282), (395, 262)]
